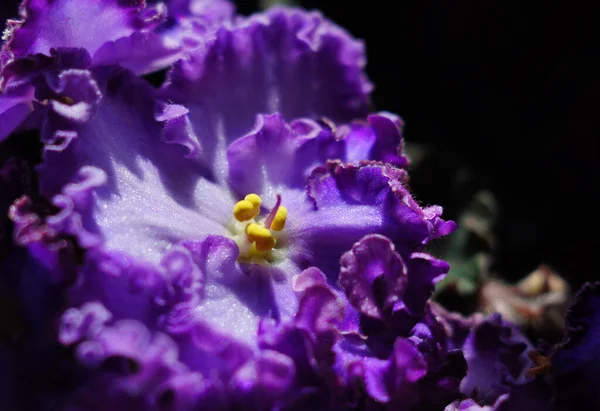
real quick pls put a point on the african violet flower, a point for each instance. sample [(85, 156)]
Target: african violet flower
[(241, 238)]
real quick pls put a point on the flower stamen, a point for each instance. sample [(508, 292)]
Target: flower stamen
[(256, 239), (279, 214), (248, 208), (280, 218)]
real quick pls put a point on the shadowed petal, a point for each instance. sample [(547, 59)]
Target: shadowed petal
[(575, 362)]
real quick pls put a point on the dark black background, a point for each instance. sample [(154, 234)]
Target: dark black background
[(508, 88)]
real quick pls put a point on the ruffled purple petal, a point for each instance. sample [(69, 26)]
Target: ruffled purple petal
[(351, 201), (308, 339), (131, 366), (187, 24), (286, 61), (381, 137), (160, 314), (292, 364), (320, 312), (77, 324), (132, 289), (37, 78), (136, 367), (395, 381), (277, 156), (134, 192), (445, 367), (377, 186), (73, 96), (424, 272), (184, 296), (496, 354), (110, 30), (140, 52), (393, 366), (457, 327), (497, 357), (381, 286), (374, 277), (361, 359), (36, 68), (47, 247), (260, 383), (391, 380), (190, 286), (128, 349), (575, 362)]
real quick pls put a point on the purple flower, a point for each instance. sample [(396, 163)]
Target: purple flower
[(244, 236)]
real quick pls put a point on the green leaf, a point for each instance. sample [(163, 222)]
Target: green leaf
[(468, 249)]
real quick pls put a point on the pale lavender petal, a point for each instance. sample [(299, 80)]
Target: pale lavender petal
[(152, 196), (285, 60), (248, 292)]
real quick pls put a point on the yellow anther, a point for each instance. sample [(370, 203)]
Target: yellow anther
[(261, 237), (244, 210), (248, 208), (257, 233), (255, 200), (279, 219), (265, 244)]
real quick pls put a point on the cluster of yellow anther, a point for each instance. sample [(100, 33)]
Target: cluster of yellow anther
[(248, 208), (260, 234)]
